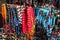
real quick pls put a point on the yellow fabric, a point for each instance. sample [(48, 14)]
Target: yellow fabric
[(33, 26), (33, 29)]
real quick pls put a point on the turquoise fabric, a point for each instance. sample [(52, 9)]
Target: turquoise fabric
[(45, 24), (58, 38), (50, 21), (53, 38), (45, 11), (39, 17), (49, 31), (54, 20)]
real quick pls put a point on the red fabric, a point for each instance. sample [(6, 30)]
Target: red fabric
[(27, 20), (30, 38), (24, 21), (30, 19)]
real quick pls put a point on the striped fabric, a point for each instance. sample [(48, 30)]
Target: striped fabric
[(19, 14)]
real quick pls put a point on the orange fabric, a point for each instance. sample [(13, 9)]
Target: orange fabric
[(4, 11)]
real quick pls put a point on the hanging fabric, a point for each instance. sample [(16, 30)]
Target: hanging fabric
[(19, 14), (24, 25), (36, 11), (7, 26), (4, 16), (30, 21), (16, 23), (4, 11)]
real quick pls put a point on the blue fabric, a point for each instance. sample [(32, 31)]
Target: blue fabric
[(54, 38), (50, 21), (59, 2), (17, 30), (11, 25), (45, 11), (43, 20), (49, 31), (36, 11), (45, 24), (39, 17), (16, 21), (11, 12), (48, 38)]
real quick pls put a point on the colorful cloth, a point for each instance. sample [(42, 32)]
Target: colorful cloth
[(39, 18), (45, 11), (30, 20)]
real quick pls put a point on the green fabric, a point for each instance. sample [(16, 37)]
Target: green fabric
[(58, 38), (54, 11)]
